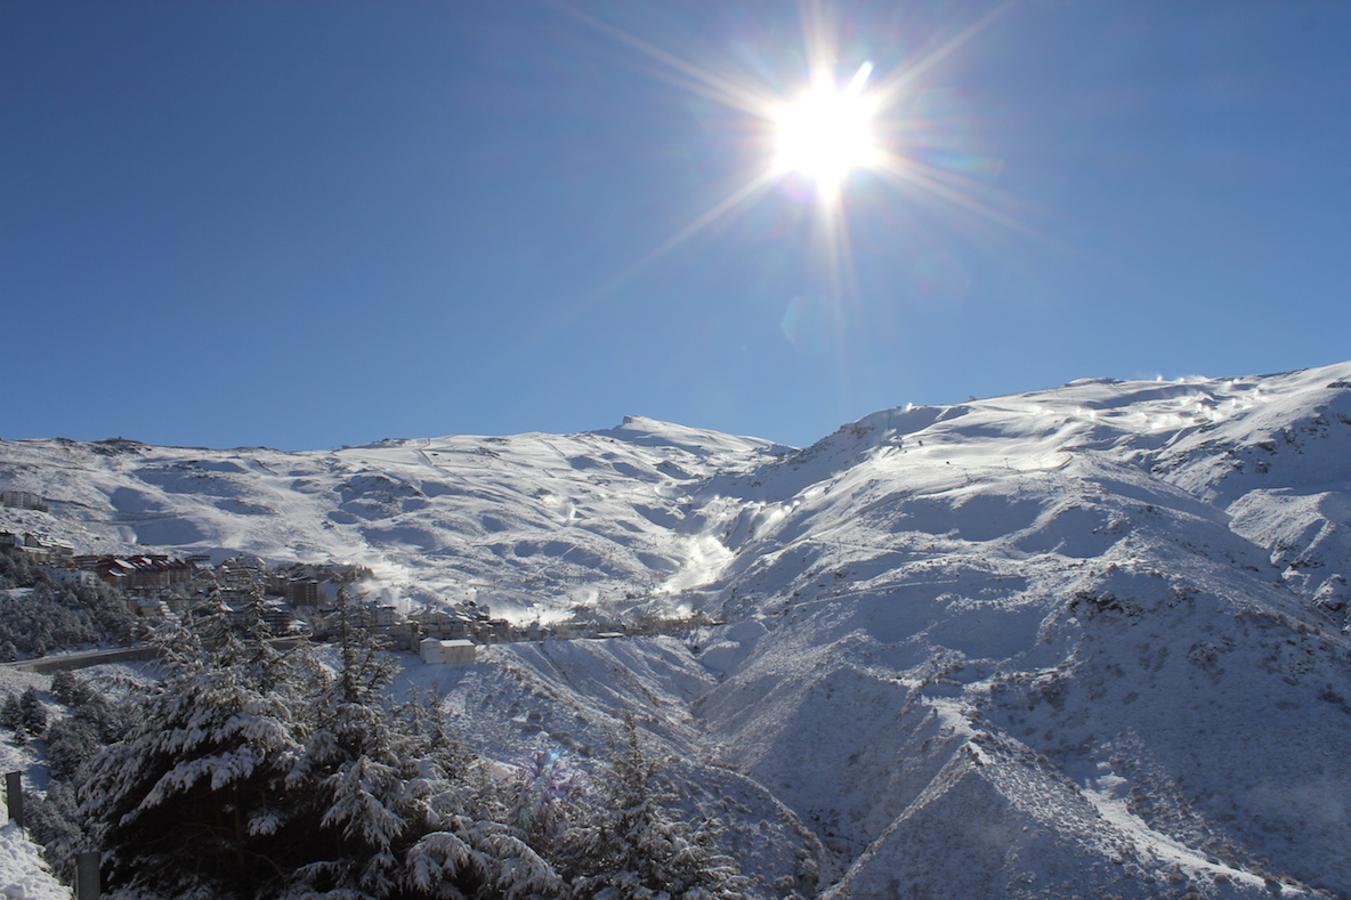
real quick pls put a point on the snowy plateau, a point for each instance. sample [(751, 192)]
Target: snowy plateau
[(1085, 641)]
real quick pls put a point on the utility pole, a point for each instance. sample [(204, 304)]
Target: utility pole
[(87, 885), (14, 797)]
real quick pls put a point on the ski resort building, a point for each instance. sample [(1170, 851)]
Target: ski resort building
[(447, 653), (385, 615), (37, 548), (139, 573), (22, 500), (302, 592), (70, 576), (241, 575)]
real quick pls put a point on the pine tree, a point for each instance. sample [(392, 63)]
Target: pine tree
[(199, 776), (544, 802), (11, 715), (389, 792), (71, 742), (357, 780), (68, 689), (247, 774), (33, 713), (637, 846), (210, 622), (54, 822)]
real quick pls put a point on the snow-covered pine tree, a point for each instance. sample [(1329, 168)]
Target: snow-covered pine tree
[(210, 622), (32, 713), (192, 800), (545, 801), (54, 822), (69, 689), (387, 788), (11, 715), (247, 774), (636, 845), (71, 742), (354, 780)]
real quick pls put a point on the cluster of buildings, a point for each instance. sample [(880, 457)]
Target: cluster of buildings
[(298, 600), (142, 574), (36, 547), (156, 585), (451, 636), (473, 621)]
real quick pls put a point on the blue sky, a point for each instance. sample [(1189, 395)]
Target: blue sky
[(305, 225)]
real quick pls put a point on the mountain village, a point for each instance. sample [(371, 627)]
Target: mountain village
[(301, 600)]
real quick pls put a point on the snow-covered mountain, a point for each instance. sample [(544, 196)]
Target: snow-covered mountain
[(531, 523), (1086, 640)]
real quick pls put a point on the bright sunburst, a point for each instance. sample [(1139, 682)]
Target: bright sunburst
[(826, 132)]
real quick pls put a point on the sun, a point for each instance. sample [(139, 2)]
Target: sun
[(826, 132)]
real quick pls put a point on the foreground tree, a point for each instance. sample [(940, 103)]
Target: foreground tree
[(200, 775), (388, 789), (54, 822), (249, 774), (637, 846)]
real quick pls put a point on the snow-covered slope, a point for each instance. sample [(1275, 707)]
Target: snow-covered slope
[(1087, 640), (530, 521), (24, 874)]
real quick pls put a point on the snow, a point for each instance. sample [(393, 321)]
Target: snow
[(522, 522), (1086, 640), (23, 873)]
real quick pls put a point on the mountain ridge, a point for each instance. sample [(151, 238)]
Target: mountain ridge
[(1086, 639)]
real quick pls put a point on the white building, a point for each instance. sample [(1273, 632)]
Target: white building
[(71, 576), (447, 653)]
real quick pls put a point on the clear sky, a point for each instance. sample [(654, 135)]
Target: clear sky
[(310, 224)]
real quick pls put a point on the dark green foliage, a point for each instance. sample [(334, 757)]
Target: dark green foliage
[(54, 616), (248, 773), (17, 569), (11, 715), (71, 742), (195, 776), (32, 714), (53, 821), (69, 689)]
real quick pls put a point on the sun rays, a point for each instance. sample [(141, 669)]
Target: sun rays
[(821, 134)]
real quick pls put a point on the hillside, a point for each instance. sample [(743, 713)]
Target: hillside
[(529, 522), (1091, 639)]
